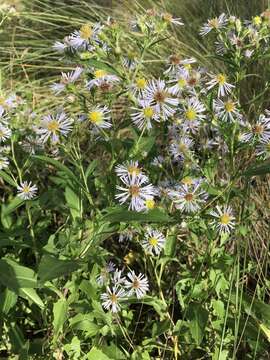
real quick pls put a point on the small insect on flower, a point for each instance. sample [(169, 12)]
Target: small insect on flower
[(144, 115), (168, 18), (159, 96), (226, 110), (51, 127), (214, 24), (80, 39), (101, 79), (137, 285), (154, 242), (188, 198), (100, 117), (136, 191), (66, 78), (112, 298), (260, 130), (220, 80), (5, 133), (130, 169), (26, 190), (224, 219), (104, 275), (4, 162)]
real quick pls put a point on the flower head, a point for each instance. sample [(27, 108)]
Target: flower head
[(102, 79), (52, 126), (130, 169), (112, 298), (143, 116), (104, 275), (136, 284), (66, 78), (226, 110), (5, 133), (100, 116), (214, 24), (188, 198), (224, 218), (154, 242), (26, 190), (220, 81)]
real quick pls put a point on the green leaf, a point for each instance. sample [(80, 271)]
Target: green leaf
[(51, 268), (91, 167), (7, 178), (73, 202), (120, 215), (85, 322), (31, 295), (60, 314), (15, 276), (12, 206), (96, 354), (142, 147), (198, 318), (8, 299), (59, 166), (262, 169)]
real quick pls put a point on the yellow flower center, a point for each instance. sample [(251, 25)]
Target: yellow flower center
[(167, 17), (86, 31), (257, 20), (134, 170), (214, 23), (100, 73), (191, 114), (188, 197), (148, 112), (136, 284), (141, 83), (182, 82), (268, 146), (221, 79), (26, 189), (225, 219), (53, 126), (150, 204), (153, 241), (96, 117), (187, 66), (134, 190), (129, 258), (182, 147), (187, 180), (113, 298), (2, 100), (257, 129), (2, 133), (229, 106)]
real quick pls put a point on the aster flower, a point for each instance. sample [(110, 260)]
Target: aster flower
[(117, 278), (193, 113), (66, 78), (214, 24), (112, 298), (100, 117), (80, 39), (136, 191), (104, 275), (127, 235), (224, 219), (180, 82), (180, 147), (138, 86), (154, 242), (188, 198), (168, 18), (136, 284), (160, 98), (61, 47), (263, 148), (130, 62), (130, 169), (220, 80), (260, 130), (52, 126), (3, 116), (32, 144), (4, 162), (8, 103), (143, 116), (175, 63), (101, 78), (226, 110), (5, 133), (26, 190)]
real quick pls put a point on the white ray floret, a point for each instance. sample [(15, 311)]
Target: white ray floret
[(224, 219), (52, 126), (188, 198), (143, 116), (130, 169), (226, 110), (5, 133), (26, 190), (67, 78), (136, 284), (101, 77), (154, 242), (214, 24), (220, 81), (135, 191), (100, 117), (112, 298), (104, 275)]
